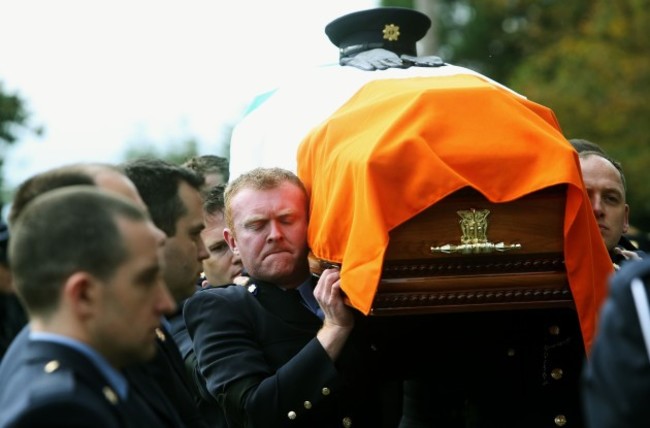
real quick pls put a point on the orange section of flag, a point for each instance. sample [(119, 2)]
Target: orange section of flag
[(399, 146)]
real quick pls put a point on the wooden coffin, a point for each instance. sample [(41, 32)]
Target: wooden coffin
[(467, 254)]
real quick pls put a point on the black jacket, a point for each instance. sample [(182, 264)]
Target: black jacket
[(257, 352), (616, 379), (46, 384)]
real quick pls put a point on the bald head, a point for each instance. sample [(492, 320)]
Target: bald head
[(105, 176), (116, 182)]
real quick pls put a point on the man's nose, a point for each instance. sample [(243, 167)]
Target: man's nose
[(596, 205), (202, 250), (165, 301), (275, 231)]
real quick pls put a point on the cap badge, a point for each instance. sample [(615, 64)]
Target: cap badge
[(391, 32)]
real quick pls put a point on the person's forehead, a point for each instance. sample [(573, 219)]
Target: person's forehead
[(213, 179), (214, 221), (599, 171), (119, 183), (250, 201), (285, 194), (212, 237), (191, 197)]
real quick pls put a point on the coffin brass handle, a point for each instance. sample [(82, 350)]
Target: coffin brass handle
[(479, 247), (473, 225)]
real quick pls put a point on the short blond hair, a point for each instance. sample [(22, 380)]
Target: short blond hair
[(260, 179)]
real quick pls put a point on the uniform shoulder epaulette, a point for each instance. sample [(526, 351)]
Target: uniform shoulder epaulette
[(59, 379)]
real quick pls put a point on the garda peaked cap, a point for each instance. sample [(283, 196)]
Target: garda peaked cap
[(393, 28)]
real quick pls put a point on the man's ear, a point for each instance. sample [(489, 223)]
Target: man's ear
[(626, 224), (81, 293), (230, 240)]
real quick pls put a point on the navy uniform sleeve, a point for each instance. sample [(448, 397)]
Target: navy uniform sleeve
[(261, 370), (616, 379)]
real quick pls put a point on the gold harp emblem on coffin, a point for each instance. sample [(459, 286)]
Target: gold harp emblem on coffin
[(474, 226)]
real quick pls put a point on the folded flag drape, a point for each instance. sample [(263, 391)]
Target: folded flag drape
[(397, 146)]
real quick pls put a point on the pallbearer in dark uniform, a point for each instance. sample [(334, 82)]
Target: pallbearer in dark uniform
[(606, 186), (94, 293), (173, 198), (616, 383), (172, 404), (263, 351)]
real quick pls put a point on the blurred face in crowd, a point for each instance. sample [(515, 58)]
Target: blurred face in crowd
[(607, 195), (222, 265), (185, 251), (270, 233), (128, 307), (213, 179)]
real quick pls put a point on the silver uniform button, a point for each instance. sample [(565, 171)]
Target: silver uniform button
[(307, 405), (511, 352), (560, 420), (347, 422), (110, 395), (52, 366), (325, 391), (554, 330), (160, 334), (557, 374), (292, 415)]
